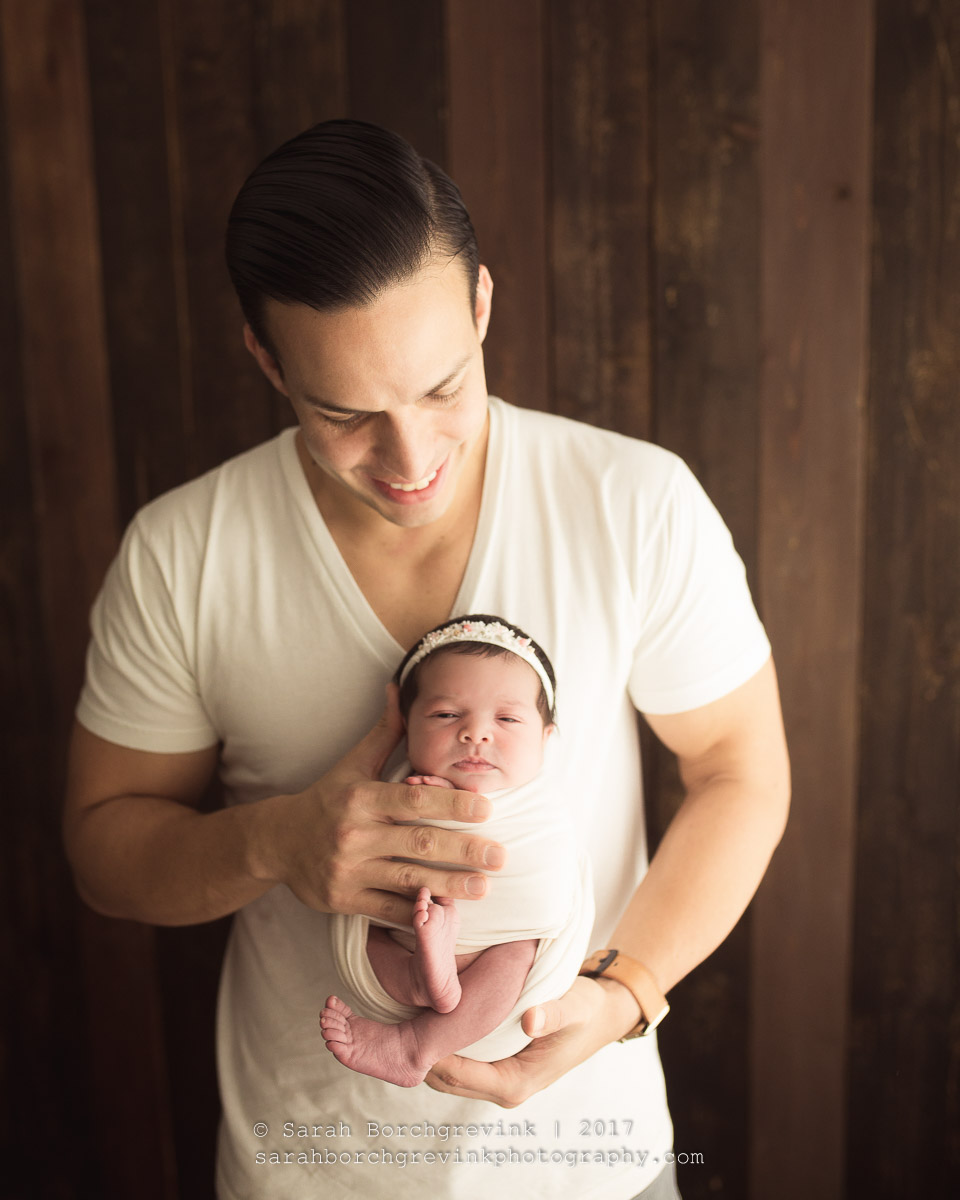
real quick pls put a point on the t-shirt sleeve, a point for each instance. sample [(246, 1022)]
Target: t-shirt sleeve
[(140, 689), (699, 633)]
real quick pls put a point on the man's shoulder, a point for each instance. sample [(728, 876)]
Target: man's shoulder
[(240, 477), (584, 451)]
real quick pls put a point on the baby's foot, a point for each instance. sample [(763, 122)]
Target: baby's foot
[(433, 969), (386, 1052)]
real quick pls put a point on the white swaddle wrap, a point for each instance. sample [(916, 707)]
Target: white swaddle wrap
[(543, 891)]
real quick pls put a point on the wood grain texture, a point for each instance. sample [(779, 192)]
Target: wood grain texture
[(496, 154), (207, 53), (395, 56), (69, 450), (904, 1061), (599, 128), (706, 381), (42, 1061), (299, 67), (816, 79), (142, 259)]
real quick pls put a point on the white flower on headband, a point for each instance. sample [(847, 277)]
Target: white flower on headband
[(493, 633)]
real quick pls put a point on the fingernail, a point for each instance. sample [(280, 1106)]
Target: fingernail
[(475, 885), (537, 1023), (493, 856)]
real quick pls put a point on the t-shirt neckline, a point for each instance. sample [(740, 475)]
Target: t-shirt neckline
[(340, 574)]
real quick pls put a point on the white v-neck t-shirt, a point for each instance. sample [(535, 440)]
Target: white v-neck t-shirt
[(229, 616)]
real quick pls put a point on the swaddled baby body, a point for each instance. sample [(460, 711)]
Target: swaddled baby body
[(477, 696)]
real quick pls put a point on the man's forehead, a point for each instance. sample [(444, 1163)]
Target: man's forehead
[(411, 338), (441, 282)]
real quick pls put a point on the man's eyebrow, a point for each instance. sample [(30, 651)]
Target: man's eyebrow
[(340, 408)]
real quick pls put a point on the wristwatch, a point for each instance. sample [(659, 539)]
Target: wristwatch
[(636, 978)]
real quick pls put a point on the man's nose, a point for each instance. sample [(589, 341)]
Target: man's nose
[(405, 447)]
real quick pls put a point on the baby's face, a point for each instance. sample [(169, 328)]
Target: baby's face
[(475, 722)]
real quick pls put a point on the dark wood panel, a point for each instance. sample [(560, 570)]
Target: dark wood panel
[(496, 154), (599, 130), (816, 85), (42, 1060), (142, 261), (207, 53), (904, 1062), (706, 304), (299, 67), (396, 70), (68, 451)]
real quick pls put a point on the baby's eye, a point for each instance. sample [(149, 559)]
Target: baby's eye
[(511, 720), (442, 715)]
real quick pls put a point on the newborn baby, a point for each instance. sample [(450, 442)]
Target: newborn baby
[(477, 696)]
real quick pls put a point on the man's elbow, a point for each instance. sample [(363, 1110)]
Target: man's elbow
[(784, 797), (779, 794), (85, 867), (93, 901), (84, 882)]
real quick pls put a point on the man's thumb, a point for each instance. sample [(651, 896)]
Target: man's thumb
[(369, 755), (544, 1019)]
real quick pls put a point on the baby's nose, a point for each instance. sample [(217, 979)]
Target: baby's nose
[(474, 733)]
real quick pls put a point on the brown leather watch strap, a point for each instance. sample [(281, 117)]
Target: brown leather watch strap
[(636, 978)]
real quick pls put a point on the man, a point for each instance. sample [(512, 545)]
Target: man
[(252, 620)]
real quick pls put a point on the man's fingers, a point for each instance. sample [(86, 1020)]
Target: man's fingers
[(423, 801), (384, 906), (408, 878), (429, 844)]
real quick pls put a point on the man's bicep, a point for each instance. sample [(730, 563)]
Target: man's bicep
[(99, 770), (741, 733)]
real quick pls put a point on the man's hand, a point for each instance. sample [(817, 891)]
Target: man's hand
[(565, 1032), (335, 845)]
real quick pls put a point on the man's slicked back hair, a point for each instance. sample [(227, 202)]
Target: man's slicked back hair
[(338, 214)]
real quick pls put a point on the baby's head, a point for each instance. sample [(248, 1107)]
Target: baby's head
[(477, 695)]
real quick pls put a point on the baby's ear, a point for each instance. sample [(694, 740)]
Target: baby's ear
[(547, 730)]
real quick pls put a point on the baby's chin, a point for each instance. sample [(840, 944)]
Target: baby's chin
[(482, 781)]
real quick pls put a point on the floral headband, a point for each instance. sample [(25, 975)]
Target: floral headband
[(494, 633)]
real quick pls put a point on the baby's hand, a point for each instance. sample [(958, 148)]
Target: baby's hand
[(430, 781)]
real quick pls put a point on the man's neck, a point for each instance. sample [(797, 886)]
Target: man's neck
[(353, 523)]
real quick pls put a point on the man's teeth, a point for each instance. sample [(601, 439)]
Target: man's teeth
[(415, 487)]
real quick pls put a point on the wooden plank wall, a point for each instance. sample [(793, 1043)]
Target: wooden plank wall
[(733, 229), (815, 102)]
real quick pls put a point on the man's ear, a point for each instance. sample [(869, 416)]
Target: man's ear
[(265, 360), (481, 313)]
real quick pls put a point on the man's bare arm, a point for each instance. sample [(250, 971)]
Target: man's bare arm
[(137, 844), (140, 849), (736, 772)]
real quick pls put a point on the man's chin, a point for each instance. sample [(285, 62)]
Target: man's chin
[(408, 516)]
